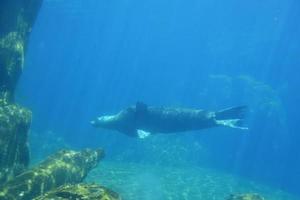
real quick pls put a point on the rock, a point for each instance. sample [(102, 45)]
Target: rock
[(14, 151), (18, 15), (64, 167), (80, 192), (249, 196), (16, 20), (11, 63)]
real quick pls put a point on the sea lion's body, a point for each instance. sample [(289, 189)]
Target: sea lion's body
[(167, 120), (170, 120)]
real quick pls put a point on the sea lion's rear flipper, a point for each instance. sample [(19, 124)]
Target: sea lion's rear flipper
[(231, 117), (232, 123)]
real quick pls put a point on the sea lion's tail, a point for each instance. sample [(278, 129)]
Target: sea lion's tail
[(232, 117)]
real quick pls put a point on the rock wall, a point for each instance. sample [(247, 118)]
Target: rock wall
[(14, 150), (16, 20), (65, 167)]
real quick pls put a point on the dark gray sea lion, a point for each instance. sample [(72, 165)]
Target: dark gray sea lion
[(142, 120)]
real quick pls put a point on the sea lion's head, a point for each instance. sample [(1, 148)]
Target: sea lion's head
[(105, 121), (124, 121)]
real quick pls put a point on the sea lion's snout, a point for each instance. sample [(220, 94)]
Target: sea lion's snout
[(93, 123), (105, 118), (97, 122), (102, 121)]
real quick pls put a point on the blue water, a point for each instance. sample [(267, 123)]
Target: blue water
[(88, 58)]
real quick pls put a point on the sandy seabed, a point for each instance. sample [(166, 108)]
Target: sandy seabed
[(145, 182)]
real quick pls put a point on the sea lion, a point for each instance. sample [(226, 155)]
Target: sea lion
[(142, 120)]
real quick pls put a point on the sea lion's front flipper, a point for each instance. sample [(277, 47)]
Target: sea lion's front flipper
[(142, 134)]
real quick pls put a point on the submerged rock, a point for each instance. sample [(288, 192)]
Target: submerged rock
[(80, 192), (249, 196), (16, 21), (18, 15), (14, 150), (64, 167), (11, 63)]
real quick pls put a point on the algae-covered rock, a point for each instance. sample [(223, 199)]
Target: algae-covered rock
[(249, 196), (11, 63), (80, 192), (14, 151), (64, 167), (16, 21)]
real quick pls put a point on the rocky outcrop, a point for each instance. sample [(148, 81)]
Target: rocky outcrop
[(64, 167), (14, 150), (16, 21), (11, 64), (80, 191)]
